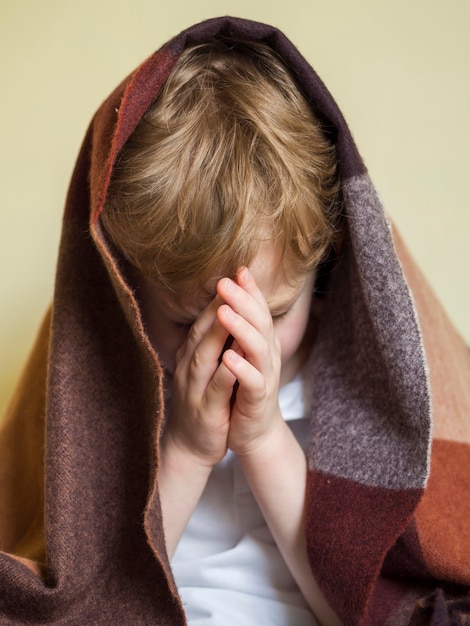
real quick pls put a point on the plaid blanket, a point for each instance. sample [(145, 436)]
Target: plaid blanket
[(388, 493)]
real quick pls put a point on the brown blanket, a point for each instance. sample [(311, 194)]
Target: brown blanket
[(388, 500)]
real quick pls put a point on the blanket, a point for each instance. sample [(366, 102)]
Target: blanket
[(387, 503)]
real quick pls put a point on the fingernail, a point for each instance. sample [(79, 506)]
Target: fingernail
[(233, 356), (228, 312)]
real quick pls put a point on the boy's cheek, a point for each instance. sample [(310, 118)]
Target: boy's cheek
[(290, 337)]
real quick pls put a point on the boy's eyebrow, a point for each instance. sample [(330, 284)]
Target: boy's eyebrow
[(182, 315)]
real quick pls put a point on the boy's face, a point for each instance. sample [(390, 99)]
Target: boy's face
[(169, 319)]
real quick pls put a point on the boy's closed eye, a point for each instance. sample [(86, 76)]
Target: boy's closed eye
[(279, 316), (186, 325)]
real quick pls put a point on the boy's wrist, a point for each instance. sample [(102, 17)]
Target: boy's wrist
[(176, 456), (269, 447), (182, 478)]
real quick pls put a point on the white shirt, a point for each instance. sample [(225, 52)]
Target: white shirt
[(227, 566)]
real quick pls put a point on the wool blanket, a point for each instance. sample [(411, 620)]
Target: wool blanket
[(388, 493)]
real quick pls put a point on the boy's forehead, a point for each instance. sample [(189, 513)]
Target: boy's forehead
[(279, 294), (279, 288)]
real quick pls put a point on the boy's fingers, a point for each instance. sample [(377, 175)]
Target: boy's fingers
[(220, 388), (204, 360), (246, 280), (250, 305), (249, 340), (203, 322), (203, 349), (252, 382), (199, 330), (237, 348)]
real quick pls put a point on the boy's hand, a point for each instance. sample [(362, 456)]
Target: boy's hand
[(254, 360), (202, 387)]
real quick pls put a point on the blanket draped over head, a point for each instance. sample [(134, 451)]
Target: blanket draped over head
[(388, 490)]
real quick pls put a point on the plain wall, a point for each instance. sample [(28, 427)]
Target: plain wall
[(398, 69)]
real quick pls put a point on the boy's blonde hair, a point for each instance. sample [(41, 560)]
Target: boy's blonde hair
[(229, 155)]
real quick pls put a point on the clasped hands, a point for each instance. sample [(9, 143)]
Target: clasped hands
[(228, 401)]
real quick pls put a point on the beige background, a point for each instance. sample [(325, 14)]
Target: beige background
[(398, 68)]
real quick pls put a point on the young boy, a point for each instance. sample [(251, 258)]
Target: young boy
[(225, 199), (236, 378)]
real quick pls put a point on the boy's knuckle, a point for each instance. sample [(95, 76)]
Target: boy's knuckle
[(194, 335), (267, 327), (259, 388), (265, 352), (196, 361)]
